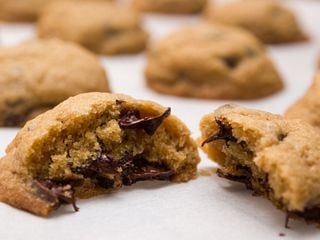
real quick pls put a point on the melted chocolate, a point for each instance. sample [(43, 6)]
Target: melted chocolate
[(131, 119), (224, 133), (131, 169), (245, 179), (57, 193)]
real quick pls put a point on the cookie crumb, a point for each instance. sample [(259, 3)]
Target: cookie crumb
[(207, 172), (282, 235)]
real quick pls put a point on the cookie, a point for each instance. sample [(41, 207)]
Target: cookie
[(212, 61), (91, 144), (269, 20), (106, 28), (274, 157), (307, 108), (38, 75), (23, 10), (170, 6)]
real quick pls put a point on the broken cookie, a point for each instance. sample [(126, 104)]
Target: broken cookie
[(274, 157), (92, 144)]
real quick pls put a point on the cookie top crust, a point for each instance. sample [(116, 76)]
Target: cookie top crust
[(26, 10), (269, 20), (224, 62), (287, 151), (107, 28), (43, 73), (170, 6)]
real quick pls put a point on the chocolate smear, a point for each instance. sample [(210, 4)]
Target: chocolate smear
[(57, 193), (240, 179), (138, 169), (130, 169), (224, 133), (131, 119)]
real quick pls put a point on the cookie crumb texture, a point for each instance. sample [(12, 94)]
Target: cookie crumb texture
[(170, 6), (92, 144), (106, 28), (269, 20), (307, 107), (38, 75), (274, 157), (212, 61)]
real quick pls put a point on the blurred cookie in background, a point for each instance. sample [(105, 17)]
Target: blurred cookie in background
[(102, 27), (269, 20), (37, 75), (170, 6), (24, 10), (212, 61), (307, 107)]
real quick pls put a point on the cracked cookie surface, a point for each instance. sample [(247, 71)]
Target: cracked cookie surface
[(212, 61), (107, 28), (37, 75), (91, 144), (170, 6), (269, 20), (274, 157)]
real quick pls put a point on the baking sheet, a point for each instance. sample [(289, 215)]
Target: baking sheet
[(206, 208)]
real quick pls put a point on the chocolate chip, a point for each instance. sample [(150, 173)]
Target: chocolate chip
[(57, 193), (130, 169), (246, 179), (139, 169), (231, 61), (224, 133), (131, 119)]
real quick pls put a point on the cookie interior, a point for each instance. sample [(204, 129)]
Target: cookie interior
[(118, 147)]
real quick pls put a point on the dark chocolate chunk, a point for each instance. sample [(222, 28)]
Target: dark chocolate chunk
[(246, 179), (133, 169), (57, 193), (224, 133), (131, 119), (231, 61), (138, 169), (309, 214)]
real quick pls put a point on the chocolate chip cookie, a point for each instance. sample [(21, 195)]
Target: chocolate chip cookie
[(37, 75), (307, 107), (170, 6), (212, 61), (91, 144), (269, 20), (23, 10), (100, 26), (274, 157)]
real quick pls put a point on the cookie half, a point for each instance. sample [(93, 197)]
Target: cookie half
[(274, 157), (307, 108), (170, 6), (269, 20), (38, 75), (106, 28), (92, 144), (212, 61)]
